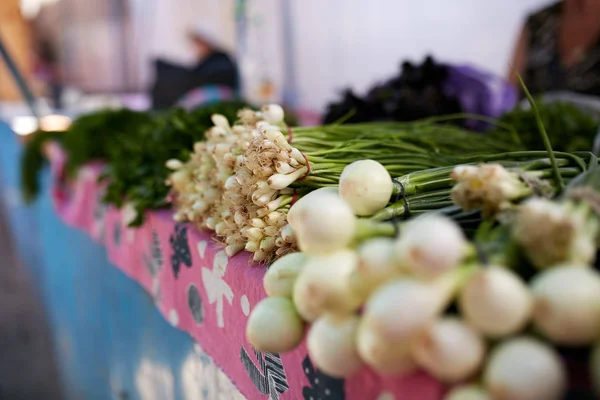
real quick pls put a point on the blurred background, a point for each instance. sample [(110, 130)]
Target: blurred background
[(299, 52)]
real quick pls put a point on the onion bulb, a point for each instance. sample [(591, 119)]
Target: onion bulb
[(376, 265), (595, 369), (274, 326), (382, 355), (331, 343), (324, 285), (449, 350), (366, 186), (402, 308), (280, 277), (322, 223), (567, 304), (525, 369), (273, 113), (469, 392), (430, 245), (495, 301)]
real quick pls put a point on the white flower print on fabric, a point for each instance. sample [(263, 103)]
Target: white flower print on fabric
[(215, 285), (201, 379), (128, 215), (154, 381), (202, 248)]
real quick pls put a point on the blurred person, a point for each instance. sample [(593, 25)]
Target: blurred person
[(214, 67), (559, 49)]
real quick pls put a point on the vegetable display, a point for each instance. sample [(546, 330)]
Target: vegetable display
[(243, 179), (394, 246)]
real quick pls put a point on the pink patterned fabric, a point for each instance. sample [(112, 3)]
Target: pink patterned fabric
[(200, 290)]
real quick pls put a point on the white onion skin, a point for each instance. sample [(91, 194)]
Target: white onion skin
[(525, 369), (281, 276), (449, 350), (496, 302), (376, 265), (384, 356), (274, 326), (430, 246), (323, 223), (331, 344), (324, 285), (366, 186), (470, 392), (567, 304)]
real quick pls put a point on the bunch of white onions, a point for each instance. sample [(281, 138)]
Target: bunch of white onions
[(403, 286), (381, 303)]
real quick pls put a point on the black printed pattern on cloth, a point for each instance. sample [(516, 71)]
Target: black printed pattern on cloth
[(181, 249), (195, 304), (322, 387), (117, 234), (154, 262), (269, 376)]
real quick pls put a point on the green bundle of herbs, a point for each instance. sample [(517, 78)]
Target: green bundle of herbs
[(136, 171)]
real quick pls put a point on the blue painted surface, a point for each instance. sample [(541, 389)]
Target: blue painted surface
[(105, 326)]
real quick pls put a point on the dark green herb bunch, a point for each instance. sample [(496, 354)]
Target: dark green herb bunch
[(569, 128), (87, 139), (91, 136), (136, 171), (32, 162)]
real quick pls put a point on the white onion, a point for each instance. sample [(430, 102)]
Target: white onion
[(595, 369), (366, 186), (376, 265), (281, 181), (322, 223), (402, 308), (331, 344), (449, 350), (470, 392), (273, 113), (525, 369), (274, 326), (495, 301), (220, 121), (324, 285), (280, 277), (382, 355), (430, 245), (567, 304), (305, 201), (174, 164)]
